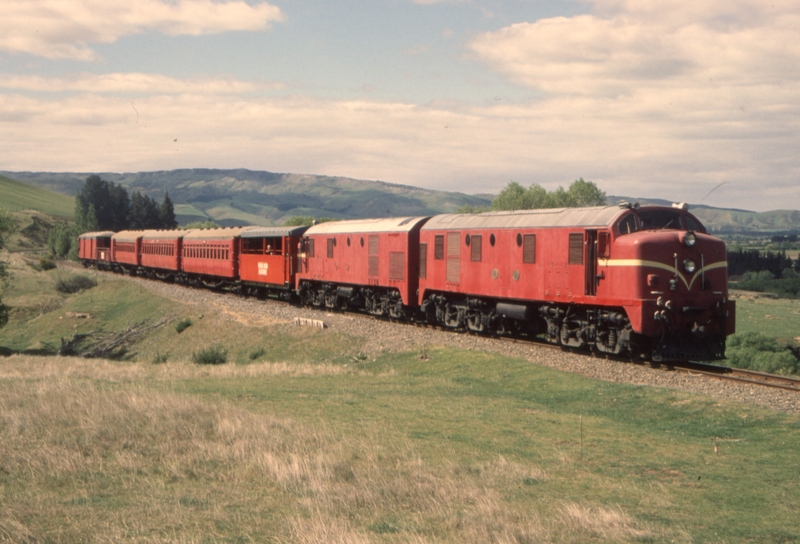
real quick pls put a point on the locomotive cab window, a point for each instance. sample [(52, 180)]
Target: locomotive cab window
[(693, 224), (660, 220), (628, 225)]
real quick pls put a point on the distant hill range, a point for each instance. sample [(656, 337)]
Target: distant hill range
[(247, 197)]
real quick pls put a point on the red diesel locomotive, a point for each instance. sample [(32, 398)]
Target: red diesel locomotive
[(617, 279)]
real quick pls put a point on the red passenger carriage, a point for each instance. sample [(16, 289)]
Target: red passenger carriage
[(94, 248), (126, 249), (211, 256), (268, 259), (161, 252)]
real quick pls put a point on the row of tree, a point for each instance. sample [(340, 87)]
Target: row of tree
[(579, 194), (104, 205), (753, 260)]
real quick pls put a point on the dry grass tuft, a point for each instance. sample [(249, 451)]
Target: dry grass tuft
[(27, 367), (609, 524)]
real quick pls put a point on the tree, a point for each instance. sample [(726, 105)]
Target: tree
[(143, 213), (580, 193), (60, 241), (101, 205), (302, 220), (166, 213), (585, 193)]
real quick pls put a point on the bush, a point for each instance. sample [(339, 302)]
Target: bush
[(257, 354), (215, 355), (754, 351), (183, 324), (160, 358), (74, 284), (46, 263)]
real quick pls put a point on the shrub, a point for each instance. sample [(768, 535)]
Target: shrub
[(160, 358), (257, 354), (215, 355), (46, 263), (74, 284), (754, 351), (183, 324)]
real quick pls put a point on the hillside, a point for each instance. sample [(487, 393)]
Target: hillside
[(17, 196), (237, 197)]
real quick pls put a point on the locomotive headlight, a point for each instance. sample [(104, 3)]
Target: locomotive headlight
[(690, 239), (690, 266)]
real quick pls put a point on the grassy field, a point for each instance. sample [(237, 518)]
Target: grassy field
[(19, 196), (774, 317), (302, 438)]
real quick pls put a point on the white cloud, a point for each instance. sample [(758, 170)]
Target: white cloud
[(66, 28), (428, 2), (618, 54), (131, 83), (704, 91), (477, 149)]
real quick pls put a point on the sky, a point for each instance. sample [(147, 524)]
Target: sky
[(677, 99)]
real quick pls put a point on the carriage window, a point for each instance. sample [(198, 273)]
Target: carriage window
[(438, 247), (331, 242), (423, 261)]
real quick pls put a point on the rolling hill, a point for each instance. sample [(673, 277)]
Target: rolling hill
[(238, 197), (18, 196), (241, 197)]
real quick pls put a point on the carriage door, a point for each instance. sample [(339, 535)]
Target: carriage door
[(591, 263)]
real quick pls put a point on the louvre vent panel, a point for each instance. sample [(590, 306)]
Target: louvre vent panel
[(576, 248), (397, 265)]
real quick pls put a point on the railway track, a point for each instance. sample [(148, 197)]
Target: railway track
[(739, 375), (718, 372)]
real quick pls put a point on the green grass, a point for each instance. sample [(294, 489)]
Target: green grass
[(454, 449), (774, 317), (17, 196), (310, 440)]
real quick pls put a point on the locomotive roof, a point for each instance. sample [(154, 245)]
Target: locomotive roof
[(554, 217), (273, 232), (392, 224), (98, 234), (214, 234)]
